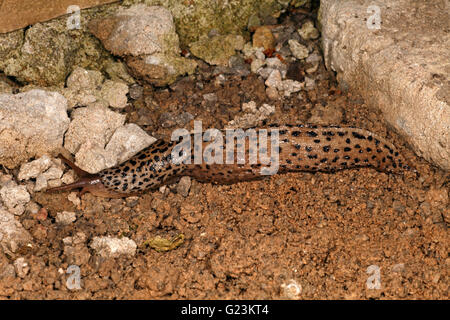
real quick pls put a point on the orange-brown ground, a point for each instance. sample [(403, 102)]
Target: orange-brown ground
[(251, 239)]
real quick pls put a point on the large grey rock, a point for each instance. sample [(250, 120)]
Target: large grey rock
[(146, 37), (31, 124), (401, 68), (99, 139), (137, 30)]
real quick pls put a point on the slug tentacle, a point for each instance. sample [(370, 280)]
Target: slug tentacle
[(301, 148)]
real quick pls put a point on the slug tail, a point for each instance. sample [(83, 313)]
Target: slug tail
[(86, 180), (81, 183)]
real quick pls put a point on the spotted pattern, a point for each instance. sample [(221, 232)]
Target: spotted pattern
[(302, 148)]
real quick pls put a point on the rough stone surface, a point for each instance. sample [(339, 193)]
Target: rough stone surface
[(308, 31), (87, 87), (65, 217), (183, 186), (160, 69), (93, 124), (263, 38), (291, 86), (45, 53), (115, 93), (31, 124), (146, 37), (43, 170), (401, 68), (274, 80), (196, 19), (99, 139), (253, 117), (109, 247), (298, 50), (14, 196), (12, 234), (218, 49), (33, 168), (137, 30), (126, 142)]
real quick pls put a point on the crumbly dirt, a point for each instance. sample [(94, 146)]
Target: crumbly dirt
[(251, 240)]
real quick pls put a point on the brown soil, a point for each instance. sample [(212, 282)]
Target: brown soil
[(252, 239)]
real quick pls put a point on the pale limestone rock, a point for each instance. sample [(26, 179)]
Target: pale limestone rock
[(109, 247), (65, 217), (298, 50), (32, 124), (14, 196), (400, 66), (12, 234)]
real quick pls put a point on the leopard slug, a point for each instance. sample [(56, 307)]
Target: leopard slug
[(301, 148)]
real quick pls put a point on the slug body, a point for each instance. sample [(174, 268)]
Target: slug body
[(301, 148)]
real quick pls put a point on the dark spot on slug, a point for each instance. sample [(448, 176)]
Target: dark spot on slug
[(358, 136)]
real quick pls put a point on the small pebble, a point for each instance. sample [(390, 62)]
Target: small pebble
[(184, 186), (308, 31), (298, 50), (136, 91), (65, 217)]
